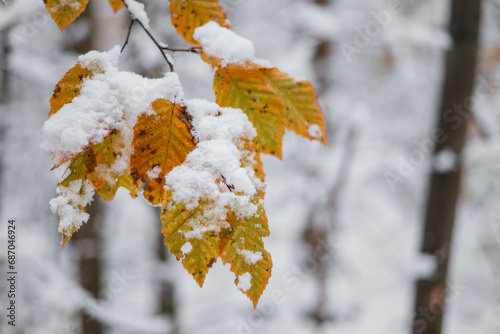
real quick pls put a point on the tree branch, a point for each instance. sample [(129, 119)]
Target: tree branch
[(193, 49), (128, 35), (170, 65)]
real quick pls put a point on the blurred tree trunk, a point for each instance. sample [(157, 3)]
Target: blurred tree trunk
[(322, 216), (322, 53), (88, 242), (5, 51), (167, 304), (455, 110)]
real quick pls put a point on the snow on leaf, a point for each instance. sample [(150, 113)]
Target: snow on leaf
[(68, 87), (116, 5), (214, 200), (245, 253), (162, 139), (187, 15), (101, 159), (70, 205), (96, 164), (220, 46), (246, 88), (64, 12), (91, 169), (273, 101), (83, 170), (177, 225)]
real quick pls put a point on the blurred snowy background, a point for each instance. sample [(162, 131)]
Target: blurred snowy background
[(346, 220)]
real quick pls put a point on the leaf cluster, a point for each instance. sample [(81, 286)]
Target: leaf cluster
[(165, 137)]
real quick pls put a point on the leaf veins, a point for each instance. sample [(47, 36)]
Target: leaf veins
[(273, 101), (161, 141)]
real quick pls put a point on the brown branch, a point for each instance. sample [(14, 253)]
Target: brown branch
[(128, 35), (170, 65), (193, 49)]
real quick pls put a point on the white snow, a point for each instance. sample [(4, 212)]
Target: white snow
[(138, 12), (314, 131), (66, 205), (154, 173), (111, 99), (226, 45), (217, 170), (244, 281), (250, 257), (186, 248)]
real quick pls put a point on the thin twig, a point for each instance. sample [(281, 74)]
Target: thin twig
[(193, 49), (157, 45), (128, 35), (170, 65)]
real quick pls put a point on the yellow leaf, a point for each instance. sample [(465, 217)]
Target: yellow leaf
[(95, 164), (248, 89), (68, 87), (161, 142), (187, 15), (100, 160), (178, 228), (64, 12), (273, 101), (66, 236), (116, 4), (302, 109), (246, 254)]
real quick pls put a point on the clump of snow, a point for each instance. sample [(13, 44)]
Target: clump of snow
[(244, 281), (314, 131), (138, 12), (97, 61), (186, 248), (218, 171), (154, 173), (249, 256), (66, 205), (110, 100), (226, 45)]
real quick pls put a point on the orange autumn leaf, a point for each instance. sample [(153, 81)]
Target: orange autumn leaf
[(161, 142), (116, 5), (64, 12), (187, 15), (247, 89), (273, 101), (68, 87)]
